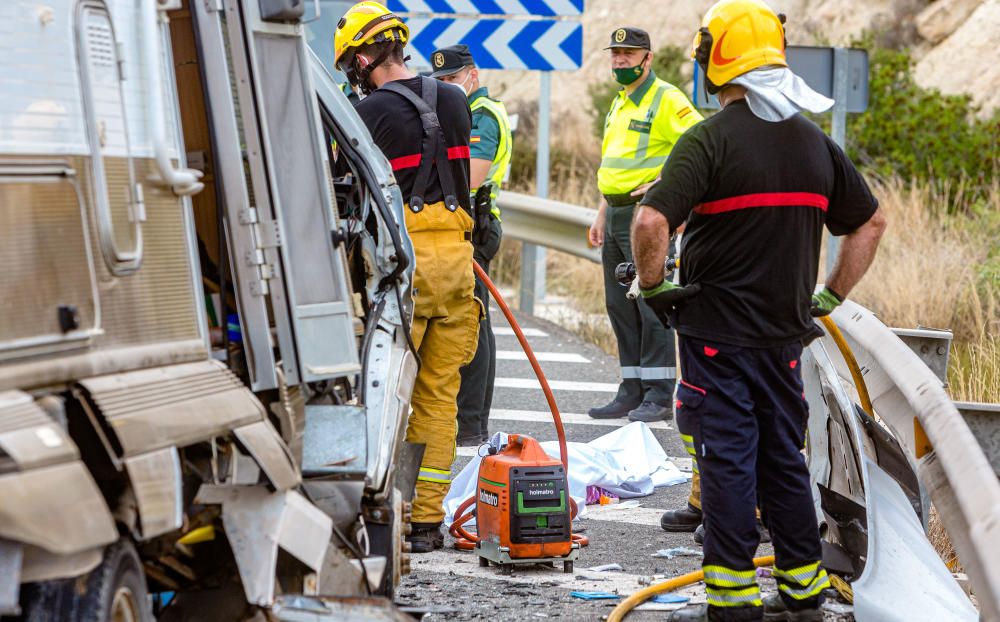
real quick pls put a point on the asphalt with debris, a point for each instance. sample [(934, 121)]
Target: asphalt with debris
[(450, 585)]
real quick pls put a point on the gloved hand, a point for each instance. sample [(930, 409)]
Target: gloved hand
[(482, 204), (824, 302), (666, 297)]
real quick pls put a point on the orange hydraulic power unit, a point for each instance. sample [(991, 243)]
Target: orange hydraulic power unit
[(523, 508)]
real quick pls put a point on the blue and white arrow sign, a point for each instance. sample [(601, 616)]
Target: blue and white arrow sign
[(545, 8), (539, 45)]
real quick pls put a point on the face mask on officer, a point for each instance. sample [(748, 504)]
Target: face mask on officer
[(628, 75)]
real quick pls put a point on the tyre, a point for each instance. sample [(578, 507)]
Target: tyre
[(115, 591)]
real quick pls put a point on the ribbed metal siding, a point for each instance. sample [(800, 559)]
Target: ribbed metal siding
[(157, 302), (44, 258)]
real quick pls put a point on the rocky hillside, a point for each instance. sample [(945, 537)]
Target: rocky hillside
[(955, 42)]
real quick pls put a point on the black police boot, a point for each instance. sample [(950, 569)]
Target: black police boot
[(469, 440), (691, 613), (614, 410), (699, 534), (776, 610), (683, 520), (425, 537), (649, 412)]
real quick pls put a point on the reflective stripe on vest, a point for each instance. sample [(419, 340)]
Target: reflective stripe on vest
[(501, 160)]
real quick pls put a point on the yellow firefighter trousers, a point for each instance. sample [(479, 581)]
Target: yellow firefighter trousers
[(446, 318)]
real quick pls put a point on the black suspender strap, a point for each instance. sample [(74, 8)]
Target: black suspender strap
[(434, 149)]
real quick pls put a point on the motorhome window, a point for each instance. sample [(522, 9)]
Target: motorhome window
[(116, 198)]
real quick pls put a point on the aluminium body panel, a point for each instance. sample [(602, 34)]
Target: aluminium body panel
[(280, 116), (240, 214)]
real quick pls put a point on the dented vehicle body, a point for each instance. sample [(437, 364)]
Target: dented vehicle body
[(204, 363)]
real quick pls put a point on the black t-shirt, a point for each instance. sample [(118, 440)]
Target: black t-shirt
[(755, 195), (395, 127)]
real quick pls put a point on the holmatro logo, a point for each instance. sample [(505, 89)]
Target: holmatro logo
[(489, 498)]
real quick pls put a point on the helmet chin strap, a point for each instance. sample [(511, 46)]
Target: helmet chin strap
[(364, 73)]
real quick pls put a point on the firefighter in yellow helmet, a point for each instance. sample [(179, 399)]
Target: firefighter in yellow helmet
[(423, 129), (754, 186)]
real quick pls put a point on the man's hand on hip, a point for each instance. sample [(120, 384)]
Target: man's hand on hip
[(666, 297)]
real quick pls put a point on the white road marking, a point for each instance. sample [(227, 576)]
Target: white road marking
[(506, 331), (557, 385), (550, 357), (541, 416)]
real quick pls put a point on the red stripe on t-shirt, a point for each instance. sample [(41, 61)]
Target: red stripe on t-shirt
[(459, 153), (763, 199), (410, 161), (413, 161)]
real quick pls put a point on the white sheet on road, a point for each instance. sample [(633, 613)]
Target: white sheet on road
[(628, 462)]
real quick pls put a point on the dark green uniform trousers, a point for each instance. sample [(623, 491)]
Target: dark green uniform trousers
[(645, 346), (475, 397)]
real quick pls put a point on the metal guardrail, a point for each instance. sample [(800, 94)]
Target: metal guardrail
[(554, 224), (905, 382)]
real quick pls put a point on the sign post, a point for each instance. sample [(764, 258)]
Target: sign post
[(532, 256)]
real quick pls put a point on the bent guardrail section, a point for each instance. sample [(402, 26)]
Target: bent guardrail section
[(554, 224)]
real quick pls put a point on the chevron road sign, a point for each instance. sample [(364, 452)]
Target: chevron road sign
[(543, 8), (543, 45)]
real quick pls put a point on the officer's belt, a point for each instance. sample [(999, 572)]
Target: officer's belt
[(621, 200)]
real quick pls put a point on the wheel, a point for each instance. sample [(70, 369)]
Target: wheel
[(115, 592), (568, 567), (484, 563), (507, 569)]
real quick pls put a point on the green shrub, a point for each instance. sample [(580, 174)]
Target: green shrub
[(920, 134), (668, 63)]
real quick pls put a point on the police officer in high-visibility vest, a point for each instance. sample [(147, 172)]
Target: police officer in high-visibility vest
[(491, 145), (646, 119)]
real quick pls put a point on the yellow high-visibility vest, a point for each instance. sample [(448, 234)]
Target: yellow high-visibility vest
[(501, 160), (639, 133)]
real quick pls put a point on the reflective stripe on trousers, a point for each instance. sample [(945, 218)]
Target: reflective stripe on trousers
[(649, 373)]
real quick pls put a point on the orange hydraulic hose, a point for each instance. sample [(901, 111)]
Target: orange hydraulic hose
[(463, 539), (556, 418), (633, 601)]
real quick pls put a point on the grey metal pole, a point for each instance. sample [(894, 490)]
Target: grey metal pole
[(838, 131), (532, 256)]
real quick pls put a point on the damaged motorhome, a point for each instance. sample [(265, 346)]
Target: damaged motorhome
[(204, 360)]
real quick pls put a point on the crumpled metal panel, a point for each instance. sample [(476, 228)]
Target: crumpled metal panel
[(157, 486), (270, 452), (908, 398), (58, 508), (174, 405), (904, 578), (29, 436), (258, 522)]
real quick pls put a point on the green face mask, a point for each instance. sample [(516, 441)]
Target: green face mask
[(628, 75)]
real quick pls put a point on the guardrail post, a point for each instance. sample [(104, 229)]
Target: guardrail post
[(532, 256), (838, 131)]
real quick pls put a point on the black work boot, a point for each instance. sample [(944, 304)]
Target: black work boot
[(699, 534), (775, 609), (614, 410), (469, 440), (425, 537), (683, 520), (649, 412), (691, 613)]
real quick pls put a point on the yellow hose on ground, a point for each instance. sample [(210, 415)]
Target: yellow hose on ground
[(633, 601), (852, 363)]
